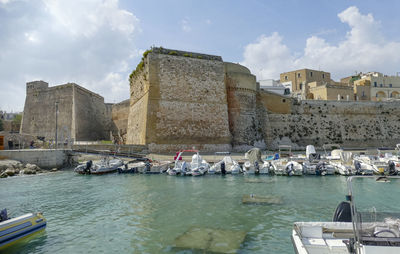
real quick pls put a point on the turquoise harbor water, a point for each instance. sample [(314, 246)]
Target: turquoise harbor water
[(146, 213)]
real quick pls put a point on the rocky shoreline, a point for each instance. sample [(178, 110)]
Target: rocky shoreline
[(10, 168)]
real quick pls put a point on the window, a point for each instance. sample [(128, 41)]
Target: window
[(298, 75), (375, 85), (301, 86), (363, 93), (323, 75), (381, 85), (285, 77), (390, 85), (311, 74)]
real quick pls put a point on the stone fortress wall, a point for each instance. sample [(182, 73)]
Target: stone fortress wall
[(348, 123), (82, 114), (180, 100)]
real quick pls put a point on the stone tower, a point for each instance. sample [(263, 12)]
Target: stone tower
[(244, 122), (179, 100)]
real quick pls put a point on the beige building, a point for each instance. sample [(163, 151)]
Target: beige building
[(329, 91), (382, 87), (362, 90), (316, 85), (297, 79)]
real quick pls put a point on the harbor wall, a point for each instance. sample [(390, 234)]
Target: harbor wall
[(44, 158), (348, 123)]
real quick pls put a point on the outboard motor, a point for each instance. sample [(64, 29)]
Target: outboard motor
[(319, 168), (256, 168), (88, 166), (357, 166), (289, 169), (3, 215), (223, 170), (392, 168), (342, 212), (147, 166)]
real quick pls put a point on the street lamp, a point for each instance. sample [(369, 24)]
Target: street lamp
[(56, 123)]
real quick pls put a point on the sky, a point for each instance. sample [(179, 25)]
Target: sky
[(97, 43)]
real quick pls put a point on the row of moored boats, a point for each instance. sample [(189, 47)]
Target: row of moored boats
[(337, 161)]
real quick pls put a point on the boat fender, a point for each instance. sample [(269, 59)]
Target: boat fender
[(223, 170), (342, 212)]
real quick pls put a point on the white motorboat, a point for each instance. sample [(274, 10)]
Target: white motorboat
[(254, 163), (105, 166), (314, 165), (286, 167), (196, 167), (358, 227), (320, 168), (342, 162), (255, 168), (226, 166)]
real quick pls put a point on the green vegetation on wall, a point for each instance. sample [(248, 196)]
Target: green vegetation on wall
[(140, 66)]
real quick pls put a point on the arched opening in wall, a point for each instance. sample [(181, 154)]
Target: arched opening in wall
[(380, 95), (395, 95), (310, 96)]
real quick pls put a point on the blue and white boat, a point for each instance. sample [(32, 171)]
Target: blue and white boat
[(12, 230)]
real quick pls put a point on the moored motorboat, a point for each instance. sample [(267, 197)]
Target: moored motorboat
[(105, 166), (358, 226), (17, 228), (196, 167), (226, 166)]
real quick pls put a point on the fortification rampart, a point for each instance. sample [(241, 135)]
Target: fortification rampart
[(120, 113), (183, 99), (244, 122), (349, 123), (81, 115)]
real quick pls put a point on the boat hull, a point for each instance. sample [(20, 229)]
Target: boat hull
[(15, 229)]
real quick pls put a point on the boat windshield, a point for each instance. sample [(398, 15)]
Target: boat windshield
[(376, 210)]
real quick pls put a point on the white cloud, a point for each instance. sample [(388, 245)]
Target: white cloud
[(89, 42), (363, 49), (185, 25)]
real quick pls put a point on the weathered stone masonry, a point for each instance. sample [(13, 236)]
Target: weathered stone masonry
[(183, 99), (82, 115)]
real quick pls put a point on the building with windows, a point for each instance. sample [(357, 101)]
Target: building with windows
[(382, 87), (274, 86), (299, 78)]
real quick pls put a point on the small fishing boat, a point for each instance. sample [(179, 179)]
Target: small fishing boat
[(342, 162), (196, 167), (360, 225), (254, 163), (105, 166), (17, 228), (226, 166)]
